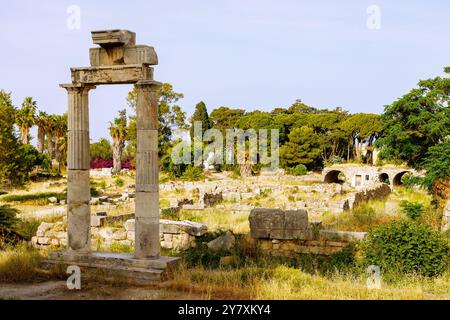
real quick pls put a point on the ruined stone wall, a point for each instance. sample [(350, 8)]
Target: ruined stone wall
[(177, 235)]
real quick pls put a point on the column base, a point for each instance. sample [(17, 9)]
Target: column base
[(115, 266)]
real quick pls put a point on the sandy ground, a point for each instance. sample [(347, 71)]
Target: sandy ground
[(57, 290)]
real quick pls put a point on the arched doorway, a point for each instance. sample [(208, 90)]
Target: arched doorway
[(335, 176)]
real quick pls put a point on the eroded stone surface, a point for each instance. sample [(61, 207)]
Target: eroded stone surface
[(278, 224)]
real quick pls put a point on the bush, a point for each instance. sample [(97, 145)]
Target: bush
[(335, 160), (299, 170), (8, 217), (413, 210), (119, 182), (193, 173), (408, 247), (410, 181)]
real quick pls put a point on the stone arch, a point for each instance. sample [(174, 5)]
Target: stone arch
[(384, 178), (334, 176), (397, 180)]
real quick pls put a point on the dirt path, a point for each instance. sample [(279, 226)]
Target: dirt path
[(57, 290)]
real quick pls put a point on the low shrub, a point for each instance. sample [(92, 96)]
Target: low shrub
[(407, 246), (119, 182), (413, 210), (299, 170), (8, 217), (193, 173)]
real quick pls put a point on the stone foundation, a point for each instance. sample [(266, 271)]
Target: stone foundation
[(174, 235), (288, 248)]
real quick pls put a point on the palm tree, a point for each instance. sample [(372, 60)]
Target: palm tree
[(25, 118), (60, 133), (119, 132), (42, 122)]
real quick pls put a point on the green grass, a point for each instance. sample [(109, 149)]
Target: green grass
[(34, 198)]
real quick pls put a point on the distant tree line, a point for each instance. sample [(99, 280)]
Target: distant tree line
[(414, 129), (17, 157)]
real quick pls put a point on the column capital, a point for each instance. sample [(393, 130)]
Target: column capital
[(150, 84), (77, 87)]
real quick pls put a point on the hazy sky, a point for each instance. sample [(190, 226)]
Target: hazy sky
[(250, 54)]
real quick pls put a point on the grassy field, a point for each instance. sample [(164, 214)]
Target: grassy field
[(250, 275)]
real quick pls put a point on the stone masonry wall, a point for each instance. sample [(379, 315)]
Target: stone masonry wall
[(177, 235)]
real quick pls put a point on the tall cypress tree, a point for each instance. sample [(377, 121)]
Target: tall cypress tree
[(200, 115)]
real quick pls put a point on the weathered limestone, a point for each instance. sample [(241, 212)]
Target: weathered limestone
[(121, 74), (223, 243), (127, 56), (118, 61), (78, 185), (147, 243), (114, 38), (278, 224)]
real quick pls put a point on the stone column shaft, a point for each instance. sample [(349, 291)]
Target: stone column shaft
[(78, 185), (147, 244)]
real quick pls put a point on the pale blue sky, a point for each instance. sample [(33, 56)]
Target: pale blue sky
[(252, 54)]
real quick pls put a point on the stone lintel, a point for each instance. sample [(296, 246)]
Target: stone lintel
[(114, 38), (121, 74)]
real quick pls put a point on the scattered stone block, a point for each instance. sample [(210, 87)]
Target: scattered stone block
[(98, 221), (279, 224), (130, 225), (225, 242), (44, 227), (53, 200), (175, 227), (94, 201)]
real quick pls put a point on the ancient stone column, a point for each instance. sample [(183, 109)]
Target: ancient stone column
[(147, 244), (78, 186)]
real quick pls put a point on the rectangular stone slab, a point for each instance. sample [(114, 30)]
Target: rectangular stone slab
[(115, 37), (123, 56), (279, 224), (127, 74)]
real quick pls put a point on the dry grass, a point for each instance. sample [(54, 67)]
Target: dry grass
[(217, 219), (377, 212), (18, 264), (285, 283)]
